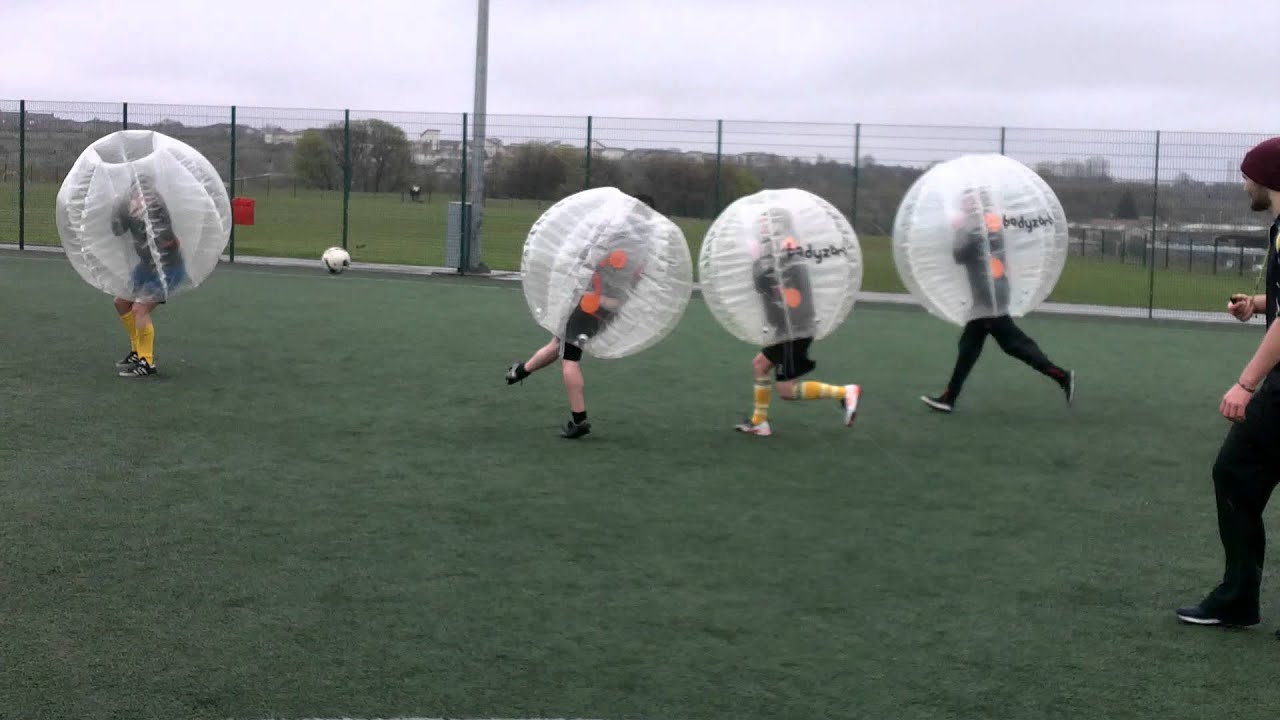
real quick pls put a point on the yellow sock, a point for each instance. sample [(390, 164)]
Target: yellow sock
[(820, 391), (761, 412), (130, 327), (146, 342)]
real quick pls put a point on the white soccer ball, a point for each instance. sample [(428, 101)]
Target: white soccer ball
[(980, 236), (143, 216), (780, 265), (336, 260), (606, 272)]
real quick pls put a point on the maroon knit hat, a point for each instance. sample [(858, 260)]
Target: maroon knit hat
[(1262, 164)]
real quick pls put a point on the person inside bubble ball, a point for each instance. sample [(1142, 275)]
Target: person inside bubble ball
[(781, 276), (979, 247), (143, 215), (617, 271)]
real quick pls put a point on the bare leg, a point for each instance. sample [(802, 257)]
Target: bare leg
[(544, 356), (574, 386)]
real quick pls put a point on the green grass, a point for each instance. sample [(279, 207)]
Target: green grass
[(329, 505), (383, 229)]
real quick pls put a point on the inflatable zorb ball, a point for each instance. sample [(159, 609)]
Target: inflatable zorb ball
[(780, 265), (143, 216), (980, 236), (604, 271)]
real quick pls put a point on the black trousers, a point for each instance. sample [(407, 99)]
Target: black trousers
[(1244, 474), (1010, 338)]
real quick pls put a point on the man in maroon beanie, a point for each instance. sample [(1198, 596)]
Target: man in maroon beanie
[(1248, 465)]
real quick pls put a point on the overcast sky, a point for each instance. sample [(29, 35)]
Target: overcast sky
[(1172, 64)]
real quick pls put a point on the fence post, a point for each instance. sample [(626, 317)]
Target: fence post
[(719, 161), (857, 166), (1155, 210), (232, 252), (22, 174), (346, 174), (464, 217), (124, 115), (586, 180), (1002, 129)]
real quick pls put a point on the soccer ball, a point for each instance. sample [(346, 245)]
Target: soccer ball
[(336, 260)]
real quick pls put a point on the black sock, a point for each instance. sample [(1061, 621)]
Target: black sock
[(579, 417)]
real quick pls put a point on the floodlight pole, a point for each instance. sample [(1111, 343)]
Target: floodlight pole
[(478, 136)]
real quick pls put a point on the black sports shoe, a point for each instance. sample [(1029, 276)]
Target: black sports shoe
[(129, 360), (573, 430), (941, 403), (142, 368), (1069, 387), (513, 374), (1209, 612)]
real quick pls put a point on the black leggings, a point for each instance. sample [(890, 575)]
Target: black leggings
[(1244, 475), (1011, 340)]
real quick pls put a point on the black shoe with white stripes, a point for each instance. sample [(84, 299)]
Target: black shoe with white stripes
[(142, 368), (129, 360)]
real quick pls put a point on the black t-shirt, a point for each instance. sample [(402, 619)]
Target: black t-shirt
[(1273, 272), (155, 215)]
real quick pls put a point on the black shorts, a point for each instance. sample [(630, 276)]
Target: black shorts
[(790, 359), (580, 324)]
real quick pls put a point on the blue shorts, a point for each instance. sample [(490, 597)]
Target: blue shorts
[(147, 285)]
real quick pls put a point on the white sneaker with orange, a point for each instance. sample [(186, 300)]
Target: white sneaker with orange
[(850, 403), (762, 429)]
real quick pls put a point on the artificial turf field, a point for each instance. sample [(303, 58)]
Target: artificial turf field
[(330, 505)]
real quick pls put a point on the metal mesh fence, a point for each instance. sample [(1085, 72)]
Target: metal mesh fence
[(56, 134), (1158, 220), (391, 154), (1207, 244), (531, 161), (289, 162), (10, 170), (1095, 174)]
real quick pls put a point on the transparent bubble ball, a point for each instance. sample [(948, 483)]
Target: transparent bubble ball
[(980, 236), (143, 216), (606, 272), (780, 265)]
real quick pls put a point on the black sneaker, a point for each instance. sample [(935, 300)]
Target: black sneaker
[(513, 374), (142, 368), (129, 360), (1209, 612), (573, 430), (941, 403), (1069, 387)]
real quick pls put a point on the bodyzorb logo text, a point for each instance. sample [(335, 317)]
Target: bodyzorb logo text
[(817, 255), (1028, 224)]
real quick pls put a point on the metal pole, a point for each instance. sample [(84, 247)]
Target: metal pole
[(124, 110), (857, 167), (22, 174), (719, 162), (478, 157), (464, 218), (232, 242), (346, 174), (586, 180), (1002, 140), (1155, 210)]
